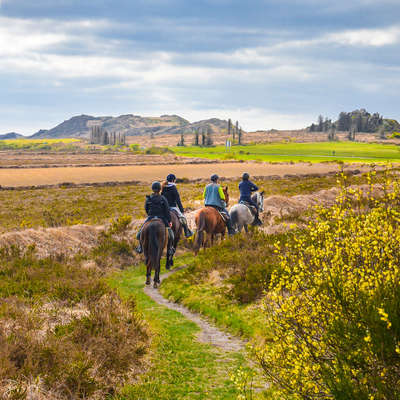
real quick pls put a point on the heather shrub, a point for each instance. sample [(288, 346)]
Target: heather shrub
[(333, 310), (63, 332)]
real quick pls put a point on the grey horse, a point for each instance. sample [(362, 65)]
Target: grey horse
[(240, 214)]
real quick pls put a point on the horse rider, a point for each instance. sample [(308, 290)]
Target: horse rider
[(170, 192), (246, 188), (214, 197), (156, 206)]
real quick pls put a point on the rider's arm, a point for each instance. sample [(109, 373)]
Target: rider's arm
[(221, 193), (178, 201), (147, 205), (254, 187), (165, 206)]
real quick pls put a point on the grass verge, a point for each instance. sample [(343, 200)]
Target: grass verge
[(182, 368)]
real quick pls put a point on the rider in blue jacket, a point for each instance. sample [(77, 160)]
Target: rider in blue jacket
[(214, 197), (246, 188)]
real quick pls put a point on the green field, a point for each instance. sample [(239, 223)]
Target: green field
[(308, 152), (38, 144)]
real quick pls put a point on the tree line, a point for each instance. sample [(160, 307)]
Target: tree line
[(204, 136)]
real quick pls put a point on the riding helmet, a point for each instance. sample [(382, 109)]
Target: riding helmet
[(171, 178), (156, 187), (214, 177), (245, 176)]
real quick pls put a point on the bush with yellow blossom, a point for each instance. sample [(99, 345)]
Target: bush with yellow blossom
[(334, 307)]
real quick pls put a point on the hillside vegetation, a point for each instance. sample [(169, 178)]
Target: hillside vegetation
[(322, 305), (64, 334)]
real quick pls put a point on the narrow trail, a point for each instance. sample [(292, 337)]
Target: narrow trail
[(208, 334)]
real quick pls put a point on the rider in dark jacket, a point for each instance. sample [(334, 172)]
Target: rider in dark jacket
[(246, 188), (156, 206), (170, 192)]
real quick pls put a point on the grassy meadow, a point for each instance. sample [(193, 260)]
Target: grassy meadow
[(305, 152)]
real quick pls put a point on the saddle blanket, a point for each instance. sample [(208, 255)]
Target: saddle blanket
[(252, 209)]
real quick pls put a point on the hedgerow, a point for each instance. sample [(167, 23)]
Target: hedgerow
[(333, 309)]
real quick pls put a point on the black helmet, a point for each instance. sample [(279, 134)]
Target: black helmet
[(214, 177), (245, 176), (156, 187), (171, 178)]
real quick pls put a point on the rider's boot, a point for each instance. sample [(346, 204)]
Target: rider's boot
[(171, 238), (231, 230), (139, 248), (257, 221), (188, 232)]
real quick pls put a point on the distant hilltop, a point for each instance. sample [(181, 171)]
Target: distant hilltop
[(129, 124), (11, 136)]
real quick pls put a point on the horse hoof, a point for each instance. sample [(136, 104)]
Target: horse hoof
[(148, 281), (155, 285)]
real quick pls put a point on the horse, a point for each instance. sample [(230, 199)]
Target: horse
[(177, 229), (209, 220), (241, 215), (154, 239)]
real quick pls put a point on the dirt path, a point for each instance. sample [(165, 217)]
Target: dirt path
[(209, 334)]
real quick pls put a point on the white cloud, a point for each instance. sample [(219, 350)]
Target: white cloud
[(366, 37)]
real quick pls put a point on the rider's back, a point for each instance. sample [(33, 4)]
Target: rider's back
[(212, 195), (246, 188), (170, 192), (157, 206)]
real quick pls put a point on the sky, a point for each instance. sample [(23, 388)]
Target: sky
[(267, 63)]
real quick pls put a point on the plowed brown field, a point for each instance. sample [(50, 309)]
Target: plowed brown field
[(148, 173)]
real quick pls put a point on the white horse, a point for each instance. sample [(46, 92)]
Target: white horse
[(241, 216)]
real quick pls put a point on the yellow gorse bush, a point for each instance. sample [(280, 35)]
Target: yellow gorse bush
[(333, 308)]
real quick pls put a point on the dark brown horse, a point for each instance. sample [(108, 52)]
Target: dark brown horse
[(177, 229), (153, 239), (209, 220)]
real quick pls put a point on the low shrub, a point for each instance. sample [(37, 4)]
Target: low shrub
[(333, 310), (63, 332)]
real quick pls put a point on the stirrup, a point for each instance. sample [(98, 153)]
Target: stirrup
[(188, 233)]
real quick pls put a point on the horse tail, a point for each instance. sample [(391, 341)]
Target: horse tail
[(234, 218), (154, 245), (201, 227)]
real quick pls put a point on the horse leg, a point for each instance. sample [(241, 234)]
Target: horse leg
[(157, 276), (148, 272), (246, 228)]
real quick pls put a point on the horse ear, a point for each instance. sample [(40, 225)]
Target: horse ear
[(262, 193), (226, 188)]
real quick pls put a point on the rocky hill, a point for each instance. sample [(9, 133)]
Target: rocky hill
[(131, 125), (11, 135)]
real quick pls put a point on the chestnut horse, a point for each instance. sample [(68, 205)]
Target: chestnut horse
[(177, 229), (154, 238), (209, 220)]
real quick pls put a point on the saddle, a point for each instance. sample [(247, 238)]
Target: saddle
[(221, 213), (252, 209)]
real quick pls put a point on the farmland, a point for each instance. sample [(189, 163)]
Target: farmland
[(299, 152), (148, 173)]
